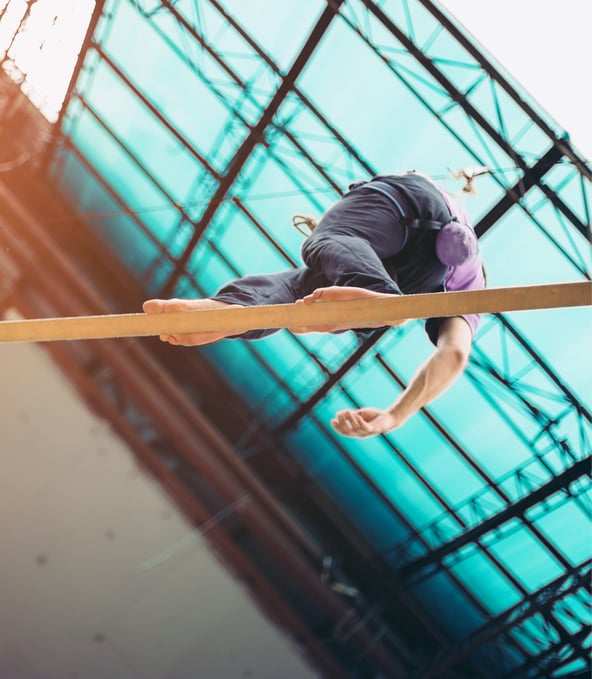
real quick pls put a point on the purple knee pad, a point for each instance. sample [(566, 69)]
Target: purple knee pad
[(456, 243)]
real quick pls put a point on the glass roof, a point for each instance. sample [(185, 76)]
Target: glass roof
[(196, 129)]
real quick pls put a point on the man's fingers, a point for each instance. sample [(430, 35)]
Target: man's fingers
[(347, 421), (343, 417), (349, 416), (340, 428), (359, 423), (352, 432)]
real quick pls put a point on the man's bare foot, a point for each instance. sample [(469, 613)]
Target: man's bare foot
[(336, 293), (160, 306)]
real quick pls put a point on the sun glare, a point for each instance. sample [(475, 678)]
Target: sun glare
[(39, 44)]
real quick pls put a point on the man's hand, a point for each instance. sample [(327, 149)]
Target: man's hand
[(364, 422)]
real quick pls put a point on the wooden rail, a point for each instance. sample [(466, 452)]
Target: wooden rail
[(360, 313)]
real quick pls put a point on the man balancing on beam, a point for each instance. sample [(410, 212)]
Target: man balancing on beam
[(392, 235)]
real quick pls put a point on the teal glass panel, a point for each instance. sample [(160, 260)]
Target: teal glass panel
[(201, 39), (336, 475), (387, 468), (484, 504), (332, 350), (560, 519), (254, 382), (210, 269), (291, 362), (536, 634), (319, 143), (523, 555), (573, 614), (278, 183), (450, 475), (165, 158), (567, 181), (196, 92), (141, 194), (445, 602), (256, 78), (572, 668), (132, 245), (247, 250), (333, 89), (174, 89), (281, 28), (483, 579)]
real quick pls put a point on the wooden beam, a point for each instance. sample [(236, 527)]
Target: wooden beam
[(360, 313)]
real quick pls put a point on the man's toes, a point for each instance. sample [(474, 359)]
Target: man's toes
[(159, 306), (153, 306)]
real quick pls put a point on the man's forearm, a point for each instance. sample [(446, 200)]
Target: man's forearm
[(431, 379), (434, 377)]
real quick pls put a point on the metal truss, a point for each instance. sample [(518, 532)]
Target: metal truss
[(559, 461), (331, 133), (254, 138), (195, 463), (433, 83), (234, 107), (385, 591), (533, 173), (270, 118), (396, 585), (542, 618), (569, 484), (6, 62)]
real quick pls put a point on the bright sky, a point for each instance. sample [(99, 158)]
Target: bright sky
[(542, 43), (545, 46), (56, 28)]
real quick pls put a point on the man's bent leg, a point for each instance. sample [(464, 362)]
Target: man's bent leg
[(348, 261), (353, 239)]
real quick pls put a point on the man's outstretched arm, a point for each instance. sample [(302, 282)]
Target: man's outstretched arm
[(434, 377)]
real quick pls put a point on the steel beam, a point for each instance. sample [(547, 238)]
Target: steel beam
[(255, 137), (86, 44), (204, 448), (571, 581), (515, 510), (561, 144)]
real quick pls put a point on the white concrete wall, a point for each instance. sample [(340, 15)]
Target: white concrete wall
[(100, 576)]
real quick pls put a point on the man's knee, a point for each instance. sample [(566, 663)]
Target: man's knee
[(313, 249)]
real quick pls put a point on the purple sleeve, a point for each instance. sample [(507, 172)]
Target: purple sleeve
[(467, 276)]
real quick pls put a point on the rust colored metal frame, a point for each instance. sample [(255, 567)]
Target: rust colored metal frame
[(49, 280)]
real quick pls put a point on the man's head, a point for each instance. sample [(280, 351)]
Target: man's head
[(421, 174)]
